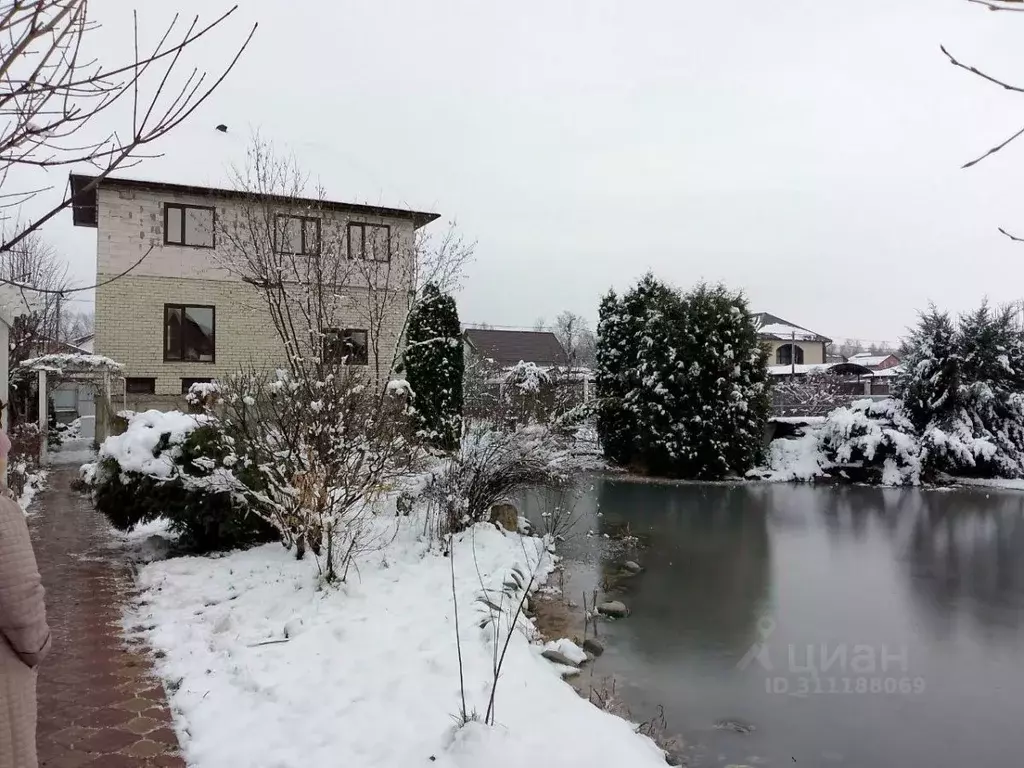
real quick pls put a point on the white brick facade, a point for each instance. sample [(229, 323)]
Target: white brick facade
[(130, 310)]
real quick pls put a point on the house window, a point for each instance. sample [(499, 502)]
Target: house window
[(189, 333), (346, 346), (297, 234), (186, 384), (139, 386), (191, 225), (789, 354), (371, 242)]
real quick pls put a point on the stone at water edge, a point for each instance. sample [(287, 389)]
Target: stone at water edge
[(558, 658), (632, 567), (505, 515), (594, 646), (613, 608)]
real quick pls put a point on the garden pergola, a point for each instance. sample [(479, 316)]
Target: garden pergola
[(96, 370)]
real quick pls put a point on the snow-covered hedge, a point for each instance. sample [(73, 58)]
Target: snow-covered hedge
[(876, 441), (958, 409), (875, 437), (172, 465)]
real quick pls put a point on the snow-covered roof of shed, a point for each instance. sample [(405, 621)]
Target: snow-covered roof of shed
[(868, 359), (75, 363), (837, 368)]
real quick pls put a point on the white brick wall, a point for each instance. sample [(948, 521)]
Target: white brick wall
[(130, 310)]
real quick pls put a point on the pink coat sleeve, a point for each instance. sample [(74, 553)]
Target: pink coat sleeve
[(22, 610)]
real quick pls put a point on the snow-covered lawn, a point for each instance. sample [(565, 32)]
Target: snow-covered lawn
[(264, 669), (992, 482)]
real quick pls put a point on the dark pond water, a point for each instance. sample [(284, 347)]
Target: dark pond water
[(849, 626)]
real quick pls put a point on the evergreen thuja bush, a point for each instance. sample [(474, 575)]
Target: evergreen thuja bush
[(433, 365), (206, 517), (681, 380)]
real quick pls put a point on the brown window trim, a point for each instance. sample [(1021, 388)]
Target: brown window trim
[(184, 207), (302, 234), (163, 341), (361, 225), (140, 385)]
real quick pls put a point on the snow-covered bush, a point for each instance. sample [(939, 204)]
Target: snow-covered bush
[(433, 365), (493, 466), (868, 440), (962, 386), (681, 380), (314, 447), (173, 465), (23, 458)]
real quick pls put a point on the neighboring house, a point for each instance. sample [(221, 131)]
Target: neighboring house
[(499, 351), (875, 362), (178, 317), (507, 348), (788, 343)]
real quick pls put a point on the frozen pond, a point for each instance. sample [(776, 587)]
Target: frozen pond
[(849, 626)]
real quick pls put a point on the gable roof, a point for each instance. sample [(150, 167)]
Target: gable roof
[(84, 187), (507, 348), (871, 361), (774, 327)]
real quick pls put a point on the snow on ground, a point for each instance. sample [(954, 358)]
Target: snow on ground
[(75, 451), (799, 458), (992, 482), (34, 482), (265, 669)]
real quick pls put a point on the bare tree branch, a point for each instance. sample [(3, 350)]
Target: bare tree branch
[(1001, 5), (49, 94)]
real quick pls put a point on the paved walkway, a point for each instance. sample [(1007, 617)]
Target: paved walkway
[(99, 704)]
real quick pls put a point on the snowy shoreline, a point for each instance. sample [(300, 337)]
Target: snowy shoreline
[(265, 668)]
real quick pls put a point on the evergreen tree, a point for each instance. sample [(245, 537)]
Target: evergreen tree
[(614, 356), (930, 373), (433, 365), (682, 381)]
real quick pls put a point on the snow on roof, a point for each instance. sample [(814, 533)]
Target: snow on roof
[(774, 327), (790, 332), (868, 359), (850, 368), (66, 361), (887, 372), (799, 370)]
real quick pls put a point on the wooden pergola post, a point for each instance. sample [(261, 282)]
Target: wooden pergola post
[(44, 420)]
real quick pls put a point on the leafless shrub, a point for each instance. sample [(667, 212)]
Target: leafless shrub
[(561, 512), (492, 467), (310, 455), (815, 394)]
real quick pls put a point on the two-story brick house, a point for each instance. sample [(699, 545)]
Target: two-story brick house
[(178, 316)]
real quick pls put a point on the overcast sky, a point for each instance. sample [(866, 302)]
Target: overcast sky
[(804, 151)]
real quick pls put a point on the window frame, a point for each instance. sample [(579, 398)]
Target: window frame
[(339, 334), (302, 234), (362, 225), (183, 207), (183, 307), (149, 390)]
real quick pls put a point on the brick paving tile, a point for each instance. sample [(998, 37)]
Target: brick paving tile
[(100, 705)]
